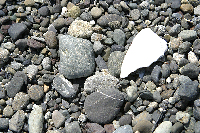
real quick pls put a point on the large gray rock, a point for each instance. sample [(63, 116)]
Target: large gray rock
[(4, 123), (36, 119), (164, 127), (76, 57), (17, 121), (190, 70), (103, 106)]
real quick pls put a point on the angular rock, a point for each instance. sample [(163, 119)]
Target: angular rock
[(125, 120), (51, 39), (119, 37), (190, 70), (4, 123), (124, 129), (35, 44), (94, 128), (20, 101), (164, 127), (17, 121), (182, 117), (143, 126), (142, 116), (72, 127), (36, 92), (44, 11), (16, 30), (58, 118), (4, 56)]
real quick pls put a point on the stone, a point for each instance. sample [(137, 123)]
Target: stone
[(44, 11), (112, 10), (109, 128), (164, 127), (72, 127), (35, 44), (8, 111), (96, 12), (4, 123), (165, 70), (58, 118), (176, 4), (29, 3), (177, 127), (197, 127), (101, 63), (31, 71), (16, 30), (17, 121), (2, 2), (51, 39), (63, 86), (187, 8), (197, 10), (192, 58), (2, 93), (72, 62), (176, 29), (4, 56), (46, 63), (115, 62), (94, 128), (135, 14), (125, 120), (36, 119), (98, 47), (124, 129), (103, 106), (188, 35), (36, 92), (119, 37), (196, 110), (20, 101), (74, 12), (184, 47), (80, 28), (175, 42), (190, 70), (155, 74), (142, 116), (86, 16), (143, 126), (182, 117), (105, 19)]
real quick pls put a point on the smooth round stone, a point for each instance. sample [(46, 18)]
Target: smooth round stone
[(4, 56), (19, 27), (96, 12), (74, 12), (187, 8), (164, 127)]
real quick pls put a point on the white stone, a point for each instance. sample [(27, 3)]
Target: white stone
[(164, 127), (172, 100), (177, 57), (192, 58), (168, 80), (182, 117), (64, 11), (145, 49)]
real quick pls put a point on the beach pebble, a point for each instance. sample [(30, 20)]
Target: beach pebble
[(182, 117), (196, 110), (44, 11), (142, 116), (124, 129), (72, 127), (29, 3), (175, 30), (35, 44), (164, 127), (143, 126), (4, 123), (36, 92), (74, 12), (98, 47), (105, 19), (31, 71), (197, 10), (58, 118), (96, 12), (190, 70), (19, 27), (46, 63), (4, 56), (8, 111), (94, 127), (125, 120), (101, 63), (197, 127), (17, 121), (119, 37), (51, 39), (188, 35), (135, 14), (20, 101), (177, 127)]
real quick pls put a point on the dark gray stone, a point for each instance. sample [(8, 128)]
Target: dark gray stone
[(117, 48), (103, 106), (188, 91), (17, 121), (157, 96), (72, 127), (184, 47), (155, 74), (145, 94), (44, 11), (196, 46), (4, 123), (76, 57), (64, 87), (177, 127), (2, 93), (21, 44), (16, 30), (104, 20), (86, 16), (173, 66), (190, 70), (112, 10), (176, 4), (125, 120), (159, 2), (119, 37), (36, 92), (101, 63)]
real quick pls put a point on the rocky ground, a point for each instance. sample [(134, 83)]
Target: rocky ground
[(60, 64)]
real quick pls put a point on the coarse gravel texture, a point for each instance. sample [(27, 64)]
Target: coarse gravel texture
[(60, 62)]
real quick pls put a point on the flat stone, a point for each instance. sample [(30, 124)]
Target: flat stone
[(51, 39), (190, 70), (35, 44), (17, 121), (142, 116), (4, 123), (143, 126), (119, 37), (94, 128), (124, 129), (125, 120), (4, 56)]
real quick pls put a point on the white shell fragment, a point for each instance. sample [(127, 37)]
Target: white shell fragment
[(145, 49)]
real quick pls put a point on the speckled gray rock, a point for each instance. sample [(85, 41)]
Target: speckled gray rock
[(188, 90), (4, 123), (188, 35), (197, 127), (124, 129), (104, 20), (184, 47), (51, 39), (36, 119), (112, 10), (196, 110), (103, 106), (155, 74), (72, 127), (46, 63), (143, 126), (76, 57), (165, 70), (20, 101), (190, 70), (114, 63), (17, 121), (14, 86), (64, 87), (16, 30), (164, 127), (58, 118), (131, 92), (36, 92), (183, 117), (135, 14), (98, 47), (4, 56), (197, 10), (101, 63), (31, 71), (44, 11), (175, 30), (86, 16), (8, 111), (107, 81), (119, 37)]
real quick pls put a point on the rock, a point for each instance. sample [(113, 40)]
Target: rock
[(72, 62), (124, 129), (197, 10), (188, 90), (46, 63), (36, 92), (74, 12), (165, 70), (187, 8), (114, 63), (22, 75), (44, 11), (16, 30), (20, 101), (56, 9), (4, 56), (97, 37), (94, 128), (2, 2), (64, 87), (14, 86), (51, 39), (176, 29), (104, 20), (59, 23), (8, 111), (119, 37), (184, 47), (58, 118), (29, 3), (176, 4), (101, 63), (109, 128), (4, 123), (175, 42), (98, 47), (35, 44), (86, 16), (31, 71), (177, 127), (155, 74), (182, 117), (17, 121), (96, 12), (72, 127), (125, 120), (131, 93), (135, 14), (103, 106), (188, 35), (112, 10), (80, 28), (197, 127), (196, 46), (9, 46), (164, 127), (196, 110), (143, 126), (36, 119), (190, 70), (192, 58), (140, 117)]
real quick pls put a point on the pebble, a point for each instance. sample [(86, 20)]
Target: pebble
[(4, 56), (190, 70), (143, 126), (31, 71), (2, 93), (112, 10), (176, 29), (72, 62), (197, 127), (196, 110), (184, 47), (20, 101), (19, 27), (35, 44), (101, 63), (188, 35), (4, 123), (105, 19), (197, 10), (98, 47), (142, 116), (74, 12), (36, 92), (9, 46), (103, 106), (165, 70), (124, 129), (196, 46), (135, 14), (182, 117), (51, 39), (46, 63), (36, 119), (72, 127), (44, 11), (8, 111), (164, 127), (131, 92), (80, 28), (114, 63), (119, 37), (187, 8), (175, 4), (156, 73), (58, 118), (125, 120), (192, 58), (59, 23), (29, 3), (17, 121), (175, 42), (96, 12), (64, 87), (177, 127), (94, 128), (86, 16)]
